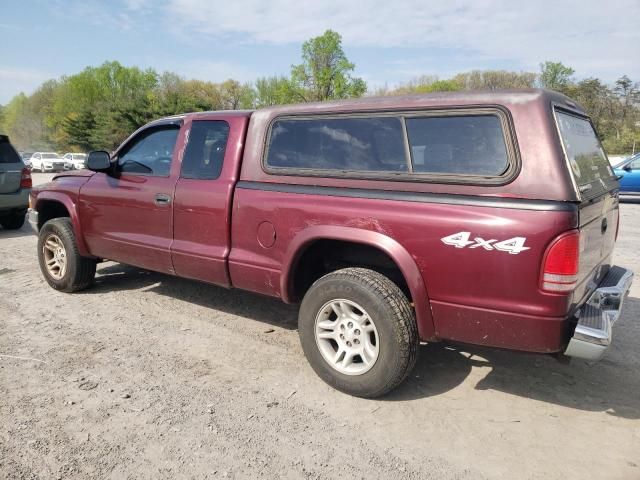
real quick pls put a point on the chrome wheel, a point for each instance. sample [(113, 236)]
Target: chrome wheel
[(347, 337), (55, 256)]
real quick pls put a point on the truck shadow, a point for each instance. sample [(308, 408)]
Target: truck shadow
[(119, 277), (22, 232), (611, 385)]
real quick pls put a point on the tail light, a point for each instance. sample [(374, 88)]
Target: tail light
[(561, 263), (25, 181)]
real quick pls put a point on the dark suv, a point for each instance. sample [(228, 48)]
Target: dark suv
[(15, 186)]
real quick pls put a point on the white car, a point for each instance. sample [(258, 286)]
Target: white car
[(75, 161), (47, 162)]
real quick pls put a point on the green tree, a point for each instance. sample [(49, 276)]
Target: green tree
[(236, 95), (325, 71), (555, 76), (274, 91), (495, 79)]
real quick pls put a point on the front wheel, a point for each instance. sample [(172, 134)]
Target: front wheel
[(62, 266), (358, 332)]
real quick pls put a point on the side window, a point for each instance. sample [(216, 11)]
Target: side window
[(150, 153), (635, 165), (463, 145), (373, 144), (204, 155)]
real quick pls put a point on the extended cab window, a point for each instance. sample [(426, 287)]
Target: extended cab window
[(204, 155), (150, 153), (344, 144), (460, 145), (585, 154)]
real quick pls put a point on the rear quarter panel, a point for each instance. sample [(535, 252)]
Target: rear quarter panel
[(476, 295)]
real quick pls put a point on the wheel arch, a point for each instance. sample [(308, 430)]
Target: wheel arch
[(379, 241), (51, 205)]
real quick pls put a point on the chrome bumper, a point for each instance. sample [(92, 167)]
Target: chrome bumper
[(592, 335), (32, 218)]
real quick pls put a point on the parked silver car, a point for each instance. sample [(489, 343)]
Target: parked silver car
[(47, 162), (74, 161)]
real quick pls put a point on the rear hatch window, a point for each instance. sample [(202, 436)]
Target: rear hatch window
[(10, 167), (589, 165), (599, 210), (8, 153)]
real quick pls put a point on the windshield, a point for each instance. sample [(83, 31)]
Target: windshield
[(630, 159), (50, 155), (584, 152), (79, 156)]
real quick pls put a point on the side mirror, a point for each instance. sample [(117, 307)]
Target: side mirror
[(98, 161), (627, 167)]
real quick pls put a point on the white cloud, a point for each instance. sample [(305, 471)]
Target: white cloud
[(594, 37), (27, 80)]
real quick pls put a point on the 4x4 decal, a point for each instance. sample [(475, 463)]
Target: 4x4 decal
[(513, 245)]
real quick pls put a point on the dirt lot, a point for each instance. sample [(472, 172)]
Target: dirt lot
[(149, 376)]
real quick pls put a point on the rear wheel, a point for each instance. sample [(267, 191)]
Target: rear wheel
[(13, 221), (358, 332), (62, 266)]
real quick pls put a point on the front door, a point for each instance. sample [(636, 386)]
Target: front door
[(126, 214)]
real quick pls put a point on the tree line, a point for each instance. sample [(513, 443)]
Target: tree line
[(100, 106)]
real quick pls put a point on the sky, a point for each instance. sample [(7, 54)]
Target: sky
[(390, 42)]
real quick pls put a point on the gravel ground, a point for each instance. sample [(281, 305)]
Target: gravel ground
[(150, 376)]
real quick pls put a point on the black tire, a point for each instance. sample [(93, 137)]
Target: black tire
[(80, 271), (13, 221), (394, 321)]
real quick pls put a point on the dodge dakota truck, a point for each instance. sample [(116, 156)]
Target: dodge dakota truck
[(484, 218)]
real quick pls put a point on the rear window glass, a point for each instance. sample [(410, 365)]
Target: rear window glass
[(345, 144), (459, 145), (584, 152), (8, 153)]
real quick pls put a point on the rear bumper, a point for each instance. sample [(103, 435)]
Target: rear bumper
[(592, 335), (17, 201)]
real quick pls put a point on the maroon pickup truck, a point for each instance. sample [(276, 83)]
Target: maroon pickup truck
[(486, 218)]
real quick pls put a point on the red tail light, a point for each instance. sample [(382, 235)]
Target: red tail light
[(25, 181), (561, 263)]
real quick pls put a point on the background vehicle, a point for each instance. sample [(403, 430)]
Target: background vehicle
[(15, 186), (26, 158), (482, 218), (75, 161), (47, 162), (629, 170)]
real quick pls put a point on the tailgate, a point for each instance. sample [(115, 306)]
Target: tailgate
[(598, 225), (598, 188), (10, 168)]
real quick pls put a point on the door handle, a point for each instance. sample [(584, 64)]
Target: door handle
[(162, 199)]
